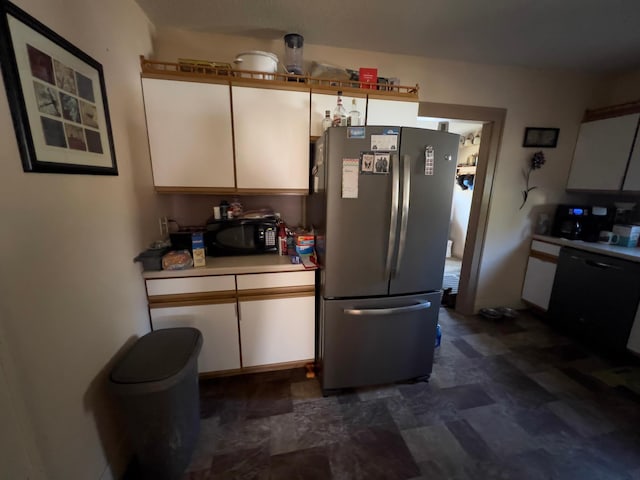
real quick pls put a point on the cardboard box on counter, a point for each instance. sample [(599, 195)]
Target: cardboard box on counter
[(304, 240), (628, 234), (197, 242)]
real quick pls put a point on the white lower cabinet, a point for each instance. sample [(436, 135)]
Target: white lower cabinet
[(218, 324), (541, 271), (277, 330), (539, 282)]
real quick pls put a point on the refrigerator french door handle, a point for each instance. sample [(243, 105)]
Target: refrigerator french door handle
[(395, 200), (421, 305), (404, 214)]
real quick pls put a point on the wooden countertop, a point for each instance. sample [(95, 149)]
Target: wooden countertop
[(626, 253), (266, 263)]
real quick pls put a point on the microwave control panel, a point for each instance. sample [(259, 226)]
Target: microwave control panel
[(269, 237)]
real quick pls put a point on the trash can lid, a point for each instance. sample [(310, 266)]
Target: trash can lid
[(158, 355)]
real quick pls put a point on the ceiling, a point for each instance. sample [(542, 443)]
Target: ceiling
[(598, 36)]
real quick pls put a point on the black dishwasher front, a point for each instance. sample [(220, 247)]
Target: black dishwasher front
[(595, 297)]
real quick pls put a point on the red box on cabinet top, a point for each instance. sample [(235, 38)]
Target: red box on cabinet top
[(368, 76)]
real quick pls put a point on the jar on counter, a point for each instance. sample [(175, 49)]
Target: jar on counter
[(235, 208)]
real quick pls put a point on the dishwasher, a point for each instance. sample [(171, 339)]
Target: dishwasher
[(595, 298)]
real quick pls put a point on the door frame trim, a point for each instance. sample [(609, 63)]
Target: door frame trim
[(492, 130)]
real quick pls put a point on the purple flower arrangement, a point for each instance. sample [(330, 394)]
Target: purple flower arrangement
[(537, 161)]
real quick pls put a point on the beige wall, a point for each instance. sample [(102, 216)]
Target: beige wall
[(70, 294), (616, 89), (532, 97)]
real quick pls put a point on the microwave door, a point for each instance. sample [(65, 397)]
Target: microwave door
[(241, 237)]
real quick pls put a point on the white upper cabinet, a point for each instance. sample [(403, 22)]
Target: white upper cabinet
[(392, 112), (271, 130), (632, 179), (602, 154), (320, 102), (190, 140)]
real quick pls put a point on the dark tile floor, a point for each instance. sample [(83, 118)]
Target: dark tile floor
[(507, 400)]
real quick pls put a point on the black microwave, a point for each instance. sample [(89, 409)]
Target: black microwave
[(242, 236)]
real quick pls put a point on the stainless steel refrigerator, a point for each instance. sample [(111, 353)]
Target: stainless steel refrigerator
[(380, 206)]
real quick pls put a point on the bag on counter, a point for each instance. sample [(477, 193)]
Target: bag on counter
[(177, 260), (151, 258)]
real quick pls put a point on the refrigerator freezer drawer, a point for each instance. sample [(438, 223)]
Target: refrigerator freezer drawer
[(378, 340)]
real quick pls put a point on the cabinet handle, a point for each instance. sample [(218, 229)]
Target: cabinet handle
[(603, 265), (421, 305)]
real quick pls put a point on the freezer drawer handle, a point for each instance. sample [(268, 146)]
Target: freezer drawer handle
[(404, 214), (395, 200), (421, 305)]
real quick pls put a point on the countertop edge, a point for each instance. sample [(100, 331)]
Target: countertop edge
[(239, 265), (625, 253)]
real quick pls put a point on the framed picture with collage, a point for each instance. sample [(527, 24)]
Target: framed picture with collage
[(57, 98)]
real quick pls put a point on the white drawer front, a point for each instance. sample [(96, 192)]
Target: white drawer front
[(172, 286), (274, 280), (545, 247)]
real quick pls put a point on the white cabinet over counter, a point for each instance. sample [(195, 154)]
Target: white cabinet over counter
[(189, 128), (607, 153), (221, 131), (271, 131), (321, 102), (391, 112)]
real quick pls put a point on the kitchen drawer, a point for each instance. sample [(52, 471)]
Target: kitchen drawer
[(275, 280), (176, 286), (544, 247)]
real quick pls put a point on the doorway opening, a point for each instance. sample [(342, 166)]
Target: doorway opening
[(470, 133), (470, 210)]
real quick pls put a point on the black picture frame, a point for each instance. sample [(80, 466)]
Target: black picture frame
[(57, 97), (540, 137)]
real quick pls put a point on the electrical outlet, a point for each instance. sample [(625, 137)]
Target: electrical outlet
[(164, 226)]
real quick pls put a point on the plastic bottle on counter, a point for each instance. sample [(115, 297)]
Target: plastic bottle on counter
[(282, 238)]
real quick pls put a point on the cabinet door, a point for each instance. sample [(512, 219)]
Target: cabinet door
[(277, 330), (632, 179), (392, 112), (189, 127), (324, 101), (602, 153), (538, 282), (271, 130), (219, 327)]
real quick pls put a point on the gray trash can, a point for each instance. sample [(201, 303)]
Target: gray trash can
[(157, 382)]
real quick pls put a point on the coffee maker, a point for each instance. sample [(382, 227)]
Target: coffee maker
[(582, 222)]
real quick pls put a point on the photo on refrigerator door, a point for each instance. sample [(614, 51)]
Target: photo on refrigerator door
[(381, 163), (366, 163)]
